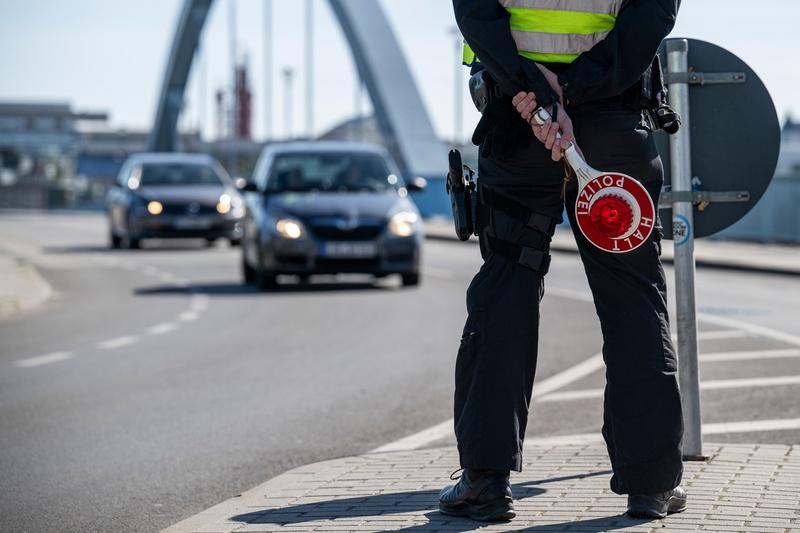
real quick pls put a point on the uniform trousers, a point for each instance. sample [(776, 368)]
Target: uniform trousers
[(496, 361)]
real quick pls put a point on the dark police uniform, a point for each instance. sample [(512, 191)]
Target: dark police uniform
[(496, 363)]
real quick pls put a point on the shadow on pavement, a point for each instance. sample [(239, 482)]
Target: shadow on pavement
[(240, 289), (385, 505)]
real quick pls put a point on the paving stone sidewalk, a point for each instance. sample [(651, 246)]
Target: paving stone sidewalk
[(562, 488)]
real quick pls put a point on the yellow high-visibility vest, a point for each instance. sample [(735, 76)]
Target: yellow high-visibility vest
[(556, 31)]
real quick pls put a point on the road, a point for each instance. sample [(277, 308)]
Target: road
[(154, 384)]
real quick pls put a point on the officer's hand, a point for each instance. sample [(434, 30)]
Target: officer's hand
[(525, 104), (547, 134)]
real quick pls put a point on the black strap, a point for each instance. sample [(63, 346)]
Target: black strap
[(514, 209), (526, 256)]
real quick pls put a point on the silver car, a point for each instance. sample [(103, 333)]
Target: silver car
[(173, 196)]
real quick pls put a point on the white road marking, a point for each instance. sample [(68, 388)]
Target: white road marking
[(749, 355), (751, 426), (445, 429), (46, 359), (753, 329), (199, 302), (584, 394), (160, 329), (188, 316), (118, 342), (721, 334), (718, 428)]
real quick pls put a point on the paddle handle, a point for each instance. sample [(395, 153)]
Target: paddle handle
[(582, 169)]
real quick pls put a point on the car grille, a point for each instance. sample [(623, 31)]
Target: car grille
[(359, 233), (187, 208)]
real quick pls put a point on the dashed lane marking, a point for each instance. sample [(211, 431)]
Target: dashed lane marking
[(161, 329), (118, 342), (46, 359), (188, 316), (584, 394), (717, 428)]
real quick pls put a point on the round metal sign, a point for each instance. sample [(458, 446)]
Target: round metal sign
[(735, 138)]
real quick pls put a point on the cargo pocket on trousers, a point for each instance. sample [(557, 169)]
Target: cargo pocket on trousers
[(467, 353)]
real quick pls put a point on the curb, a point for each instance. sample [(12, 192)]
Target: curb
[(22, 288)]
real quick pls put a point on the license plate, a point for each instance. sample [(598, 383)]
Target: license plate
[(192, 223), (350, 249)]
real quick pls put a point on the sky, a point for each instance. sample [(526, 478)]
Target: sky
[(102, 55)]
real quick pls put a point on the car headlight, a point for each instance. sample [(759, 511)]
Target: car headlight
[(154, 207), (289, 228), (402, 223), (224, 204)]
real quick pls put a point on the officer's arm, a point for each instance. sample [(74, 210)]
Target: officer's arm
[(618, 61), (486, 29)]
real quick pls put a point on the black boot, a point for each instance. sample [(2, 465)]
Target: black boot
[(656, 505), (483, 495)]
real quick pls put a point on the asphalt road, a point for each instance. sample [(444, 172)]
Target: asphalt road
[(154, 384)]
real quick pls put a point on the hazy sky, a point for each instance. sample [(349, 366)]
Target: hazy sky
[(110, 54)]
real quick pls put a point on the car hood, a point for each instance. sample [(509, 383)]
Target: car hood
[(202, 194), (344, 204)]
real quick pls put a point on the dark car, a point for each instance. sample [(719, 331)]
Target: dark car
[(323, 207), (173, 196)]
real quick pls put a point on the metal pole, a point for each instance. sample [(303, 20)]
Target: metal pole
[(288, 125), (267, 69), (309, 68), (683, 235)]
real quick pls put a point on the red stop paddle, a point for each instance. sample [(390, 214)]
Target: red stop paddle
[(614, 211)]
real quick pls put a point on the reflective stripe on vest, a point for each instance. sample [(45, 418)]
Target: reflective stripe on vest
[(556, 31)]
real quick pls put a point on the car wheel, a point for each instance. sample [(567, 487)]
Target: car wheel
[(235, 242), (411, 279), (115, 240), (134, 243), (248, 272), (265, 281)]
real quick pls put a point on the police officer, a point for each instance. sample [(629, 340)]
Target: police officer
[(592, 64)]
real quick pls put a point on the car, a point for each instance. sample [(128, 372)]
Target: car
[(322, 207), (172, 195)]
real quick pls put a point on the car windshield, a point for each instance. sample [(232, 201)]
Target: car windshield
[(177, 174), (330, 173)]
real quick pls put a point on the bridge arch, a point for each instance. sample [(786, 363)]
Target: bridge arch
[(399, 109)]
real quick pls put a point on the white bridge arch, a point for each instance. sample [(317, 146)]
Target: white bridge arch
[(400, 112)]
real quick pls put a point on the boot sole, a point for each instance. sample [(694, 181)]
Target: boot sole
[(674, 505), (497, 511)]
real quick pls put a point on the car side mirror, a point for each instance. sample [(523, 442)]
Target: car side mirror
[(416, 184), (247, 186)]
